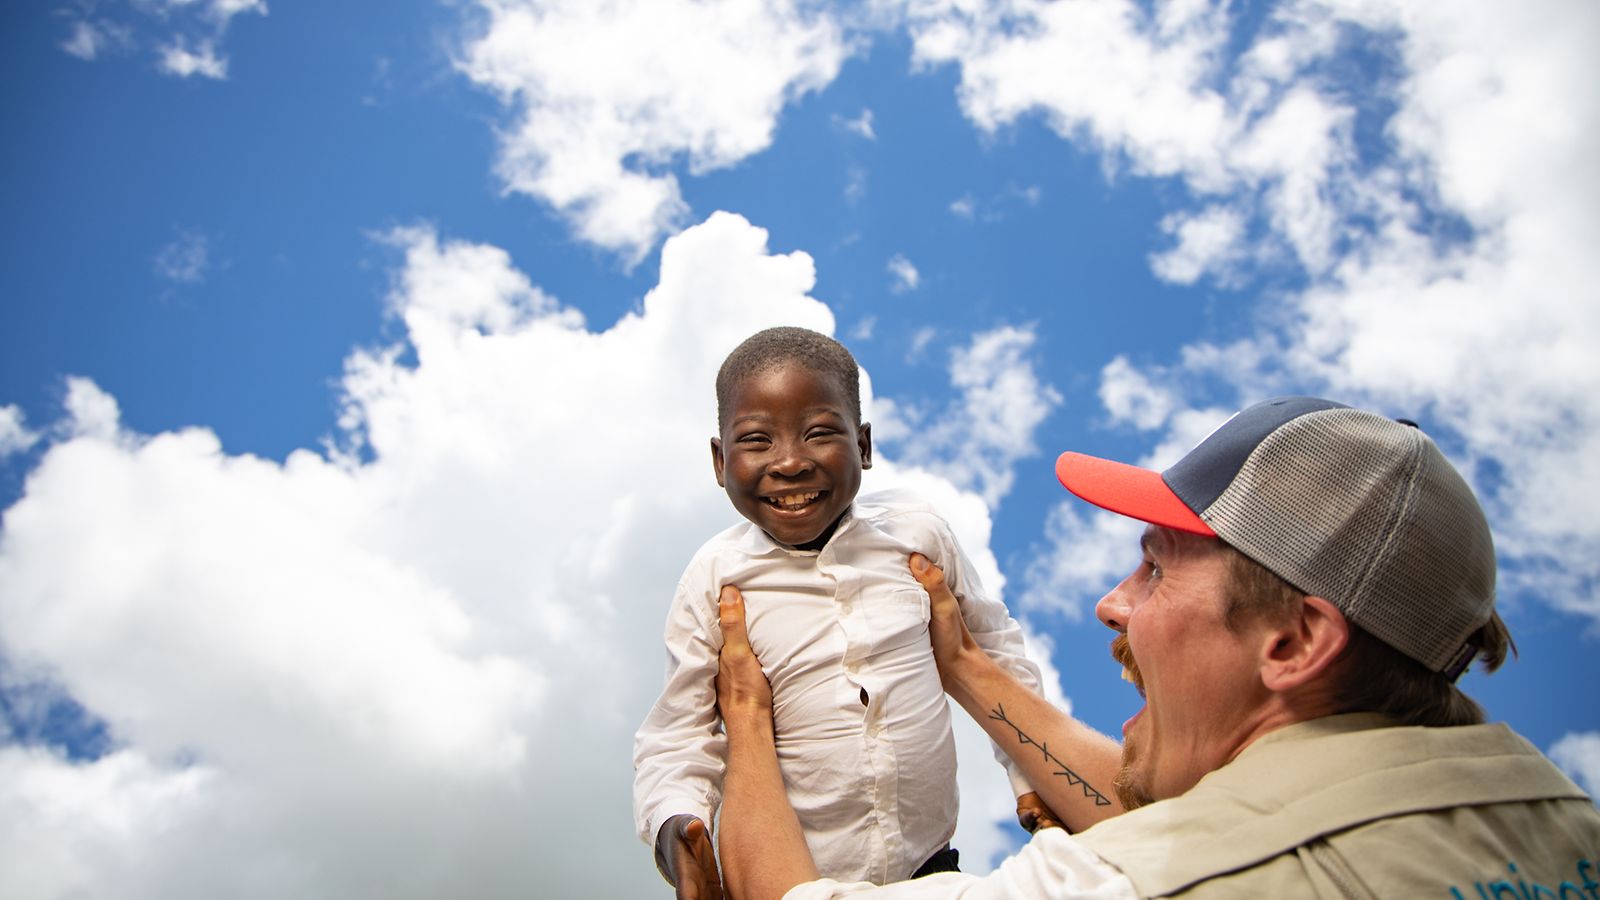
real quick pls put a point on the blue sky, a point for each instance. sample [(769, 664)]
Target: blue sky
[(356, 368)]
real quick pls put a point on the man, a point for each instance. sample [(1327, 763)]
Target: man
[(1314, 580)]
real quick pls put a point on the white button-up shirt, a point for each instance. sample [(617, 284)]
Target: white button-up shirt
[(863, 727)]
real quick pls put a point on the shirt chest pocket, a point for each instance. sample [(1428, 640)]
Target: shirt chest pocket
[(896, 617)]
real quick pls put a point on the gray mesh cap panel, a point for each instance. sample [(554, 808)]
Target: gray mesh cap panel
[(1367, 513)]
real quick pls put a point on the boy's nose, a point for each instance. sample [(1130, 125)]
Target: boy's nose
[(789, 463)]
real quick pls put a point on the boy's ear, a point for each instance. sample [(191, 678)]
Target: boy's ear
[(864, 442), (716, 460)]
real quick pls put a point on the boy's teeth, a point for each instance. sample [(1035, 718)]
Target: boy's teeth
[(796, 499)]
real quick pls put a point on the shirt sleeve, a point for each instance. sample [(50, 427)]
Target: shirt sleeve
[(993, 628), (680, 751), (1052, 866)]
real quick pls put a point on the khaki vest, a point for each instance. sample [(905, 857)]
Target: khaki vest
[(1346, 807)]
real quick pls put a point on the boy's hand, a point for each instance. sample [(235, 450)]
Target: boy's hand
[(686, 860), (1033, 814), (946, 629)]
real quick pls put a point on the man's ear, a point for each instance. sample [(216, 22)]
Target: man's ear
[(864, 444), (716, 460), (1304, 648)]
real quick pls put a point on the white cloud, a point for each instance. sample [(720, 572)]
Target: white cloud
[(89, 39), (186, 259), (1208, 241), (186, 34), (1579, 754), (412, 666), (903, 274), (15, 436), (978, 438), (861, 125), (1130, 396), (178, 59), (921, 339), (963, 207), (608, 96), (91, 412), (1446, 254)]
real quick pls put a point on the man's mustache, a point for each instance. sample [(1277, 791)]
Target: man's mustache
[(1122, 653)]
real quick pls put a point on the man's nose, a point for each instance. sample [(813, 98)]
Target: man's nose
[(1112, 610)]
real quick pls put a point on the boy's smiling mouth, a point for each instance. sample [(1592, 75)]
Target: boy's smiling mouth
[(794, 502)]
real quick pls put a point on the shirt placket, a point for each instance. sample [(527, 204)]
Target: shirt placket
[(878, 777)]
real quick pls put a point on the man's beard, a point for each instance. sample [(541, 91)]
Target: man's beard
[(1132, 794)]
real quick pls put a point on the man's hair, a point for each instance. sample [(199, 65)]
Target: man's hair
[(1370, 676), (776, 347)]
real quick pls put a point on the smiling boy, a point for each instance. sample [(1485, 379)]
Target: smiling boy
[(863, 729)]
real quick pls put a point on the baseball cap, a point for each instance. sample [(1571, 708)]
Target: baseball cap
[(1361, 510)]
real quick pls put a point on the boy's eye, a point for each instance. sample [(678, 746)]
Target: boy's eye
[(754, 440), (816, 433)]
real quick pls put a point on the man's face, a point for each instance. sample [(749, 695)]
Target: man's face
[(790, 455), (1201, 682)]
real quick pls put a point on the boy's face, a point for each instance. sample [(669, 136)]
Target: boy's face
[(790, 455)]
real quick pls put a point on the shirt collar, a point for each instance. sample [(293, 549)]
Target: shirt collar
[(755, 542)]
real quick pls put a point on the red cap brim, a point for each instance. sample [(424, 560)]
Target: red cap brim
[(1128, 490)]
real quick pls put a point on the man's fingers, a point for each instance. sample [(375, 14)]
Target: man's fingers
[(730, 612), (931, 577)]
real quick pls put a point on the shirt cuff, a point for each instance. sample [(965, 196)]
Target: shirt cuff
[(675, 806)]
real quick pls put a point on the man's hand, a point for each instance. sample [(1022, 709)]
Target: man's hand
[(1033, 814), (743, 693), (764, 852), (946, 629), (686, 860)]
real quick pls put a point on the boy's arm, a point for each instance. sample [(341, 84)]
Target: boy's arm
[(1071, 765), (679, 752)]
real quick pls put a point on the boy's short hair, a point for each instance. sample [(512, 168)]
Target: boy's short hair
[(774, 347)]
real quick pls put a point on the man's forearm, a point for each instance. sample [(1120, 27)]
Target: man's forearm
[(764, 852), (1069, 764)]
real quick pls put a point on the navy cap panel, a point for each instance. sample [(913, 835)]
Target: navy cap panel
[(1206, 471)]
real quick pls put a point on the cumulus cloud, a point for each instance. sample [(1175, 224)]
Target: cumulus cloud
[(903, 274), (1207, 241), (15, 435), (978, 438), (186, 34), (1438, 207), (410, 664), (606, 98), (1579, 754)]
